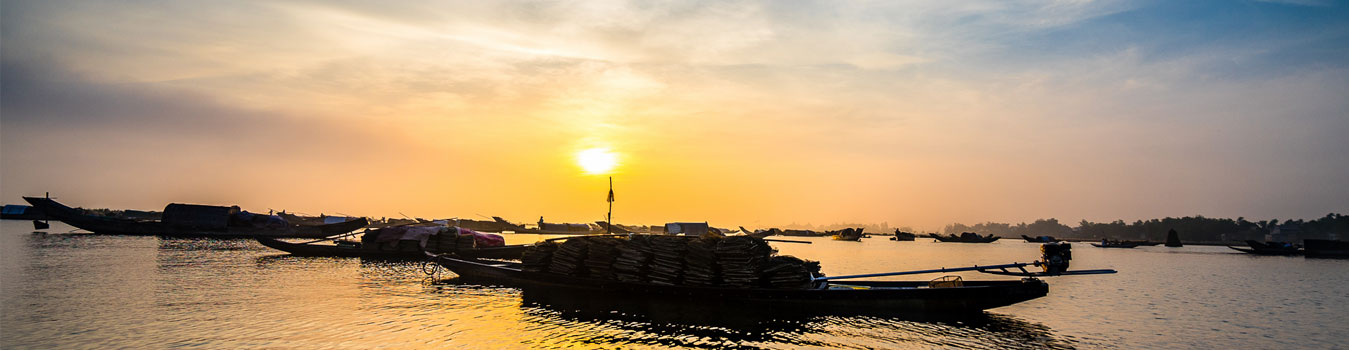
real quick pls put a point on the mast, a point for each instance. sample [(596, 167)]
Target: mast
[(609, 218)]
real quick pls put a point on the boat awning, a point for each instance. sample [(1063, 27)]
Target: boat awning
[(14, 209), (686, 228)]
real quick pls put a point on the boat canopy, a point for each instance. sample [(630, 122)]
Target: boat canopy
[(199, 216), (686, 228), (14, 209)]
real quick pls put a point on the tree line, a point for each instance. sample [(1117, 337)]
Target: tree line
[(1190, 228)]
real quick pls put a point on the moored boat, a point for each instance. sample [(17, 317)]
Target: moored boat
[(1116, 244), (903, 236), (1269, 248), (850, 234), (911, 296), (186, 220), (964, 237), (1325, 248)]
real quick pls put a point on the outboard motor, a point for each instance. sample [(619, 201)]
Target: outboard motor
[(1055, 257)]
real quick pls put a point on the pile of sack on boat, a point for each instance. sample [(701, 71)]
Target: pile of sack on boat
[(734, 261), (434, 239)]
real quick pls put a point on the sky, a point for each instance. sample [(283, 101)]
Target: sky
[(754, 113)]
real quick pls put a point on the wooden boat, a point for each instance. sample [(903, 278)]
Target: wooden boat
[(355, 250), (966, 237), (854, 235), (1116, 244), (903, 236), (1269, 248), (197, 221), (1325, 248), (898, 296), (1040, 239), (1173, 239)]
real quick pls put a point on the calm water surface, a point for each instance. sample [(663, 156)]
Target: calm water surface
[(73, 291)]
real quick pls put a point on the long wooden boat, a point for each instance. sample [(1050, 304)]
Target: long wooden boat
[(1269, 248), (963, 238), (1325, 248), (874, 295), (903, 236), (357, 251), (132, 227), (1116, 244)]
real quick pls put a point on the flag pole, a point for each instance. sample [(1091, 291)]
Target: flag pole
[(609, 220)]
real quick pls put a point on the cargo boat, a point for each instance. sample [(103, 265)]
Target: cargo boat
[(186, 220), (968, 296)]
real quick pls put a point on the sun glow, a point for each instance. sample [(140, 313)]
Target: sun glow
[(597, 160)]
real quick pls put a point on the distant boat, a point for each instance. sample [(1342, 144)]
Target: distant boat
[(1325, 248), (1269, 248), (1173, 239), (1040, 239), (187, 220), (1117, 244), (850, 234), (964, 237), (903, 236)]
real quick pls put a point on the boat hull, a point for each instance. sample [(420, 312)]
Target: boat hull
[(1115, 245), (868, 295), (963, 240)]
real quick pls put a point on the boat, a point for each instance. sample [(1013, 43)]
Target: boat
[(347, 249), (1173, 239), (1325, 248), (188, 220), (1116, 244), (964, 237), (903, 236), (784, 281), (1040, 239), (1269, 248), (914, 295), (850, 234)]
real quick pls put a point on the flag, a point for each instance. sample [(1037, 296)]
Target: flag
[(611, 190)]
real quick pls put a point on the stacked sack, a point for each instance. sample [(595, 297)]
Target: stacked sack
[(633, 258), (667, 261), (538, 256), (733, 262), (741, 260), (444, 242), (600, 256), (785, 271), (568, 258), (700, 262)]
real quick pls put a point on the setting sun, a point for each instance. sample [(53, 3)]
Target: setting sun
[(596, 160)]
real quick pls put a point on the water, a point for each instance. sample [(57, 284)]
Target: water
[(73, 291)]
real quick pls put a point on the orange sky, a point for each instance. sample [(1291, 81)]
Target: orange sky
[(737, 113)]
